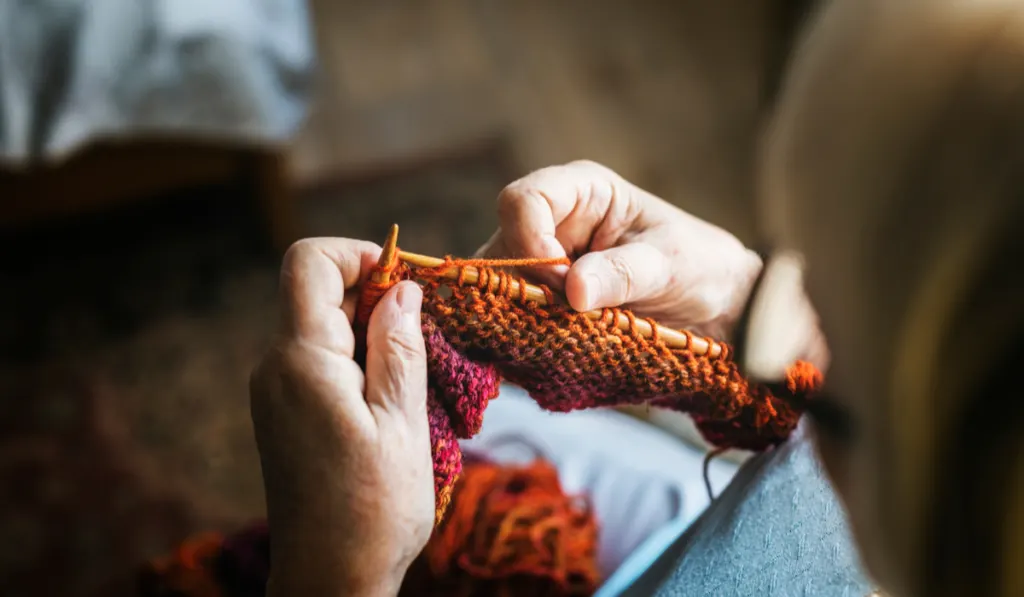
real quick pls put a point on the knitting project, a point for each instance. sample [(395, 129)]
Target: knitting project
[(476, 334)]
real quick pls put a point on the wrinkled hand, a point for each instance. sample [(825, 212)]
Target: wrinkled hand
[(633, 248), (346, 459)]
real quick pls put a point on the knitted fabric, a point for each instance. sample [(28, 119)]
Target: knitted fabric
[(511, 531), (476, 334)]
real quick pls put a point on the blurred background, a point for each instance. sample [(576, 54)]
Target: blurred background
[(157, 156)]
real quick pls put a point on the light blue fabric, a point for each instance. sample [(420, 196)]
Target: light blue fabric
[(777, 530), (641, 482), (643, 558)]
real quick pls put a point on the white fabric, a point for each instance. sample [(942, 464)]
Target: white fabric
[(72, 71), (640, 480)]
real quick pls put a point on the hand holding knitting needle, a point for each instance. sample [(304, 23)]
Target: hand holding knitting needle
[(345, 457), (631, 249)]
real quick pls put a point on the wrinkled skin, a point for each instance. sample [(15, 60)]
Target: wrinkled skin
[(630, 248), (345, 456)]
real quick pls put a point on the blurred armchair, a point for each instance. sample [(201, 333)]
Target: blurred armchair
[(104, 101)]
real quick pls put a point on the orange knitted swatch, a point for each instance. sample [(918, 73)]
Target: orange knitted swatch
[(476, 334)]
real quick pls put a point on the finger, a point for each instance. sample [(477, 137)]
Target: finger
[(533, 238), (536, 215), (568, 209), (614, 277), (530, 208), (571, 202), (396, 359), (314, 276)]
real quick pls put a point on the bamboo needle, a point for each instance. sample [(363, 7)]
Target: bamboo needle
[(386, 255), (672, 338)]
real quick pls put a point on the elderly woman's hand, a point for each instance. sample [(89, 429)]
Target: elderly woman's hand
[(346, 459), (633, 248)]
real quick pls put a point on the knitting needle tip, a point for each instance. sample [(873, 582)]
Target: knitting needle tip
[(387, 255)]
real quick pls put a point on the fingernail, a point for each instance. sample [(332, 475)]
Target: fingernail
[(410, 298)]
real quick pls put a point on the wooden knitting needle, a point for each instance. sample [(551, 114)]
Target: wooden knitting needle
[(672, 338), (386, 255)]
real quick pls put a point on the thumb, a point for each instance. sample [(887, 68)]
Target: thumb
[(617, 276), (396, 359)]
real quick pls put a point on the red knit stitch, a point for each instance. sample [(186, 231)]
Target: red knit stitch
[(476, 333), (462, 386)]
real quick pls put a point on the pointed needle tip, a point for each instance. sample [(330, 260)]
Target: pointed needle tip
[(387, 253)]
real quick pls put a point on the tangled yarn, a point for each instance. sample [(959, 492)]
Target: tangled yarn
[(477, 333), (511, 531)]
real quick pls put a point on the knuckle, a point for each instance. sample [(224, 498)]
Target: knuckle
[(298, 252), (521, 203), (292, 363), (585, 164), (288, 355), (509, 197), (520, 189), (298, 249), (592, 169), (514, 199)]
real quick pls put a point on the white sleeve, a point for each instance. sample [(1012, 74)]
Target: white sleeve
[(639, 479)]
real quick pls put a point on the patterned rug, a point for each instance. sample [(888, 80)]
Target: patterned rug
[(125, 351)]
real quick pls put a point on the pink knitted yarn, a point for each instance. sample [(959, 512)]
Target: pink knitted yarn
[(457, 395)]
